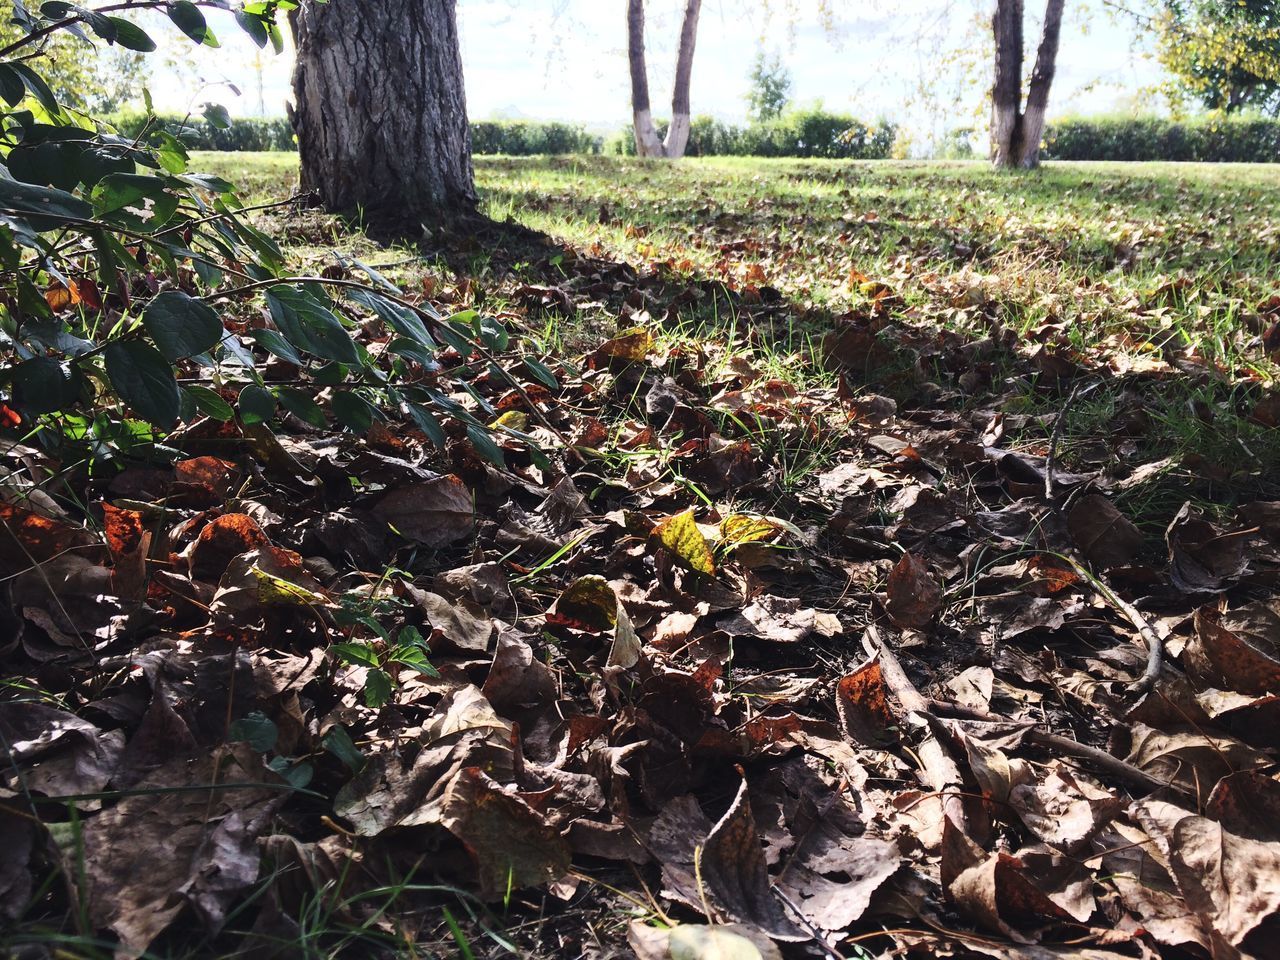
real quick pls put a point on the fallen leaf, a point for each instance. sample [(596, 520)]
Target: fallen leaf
[(914, 598)]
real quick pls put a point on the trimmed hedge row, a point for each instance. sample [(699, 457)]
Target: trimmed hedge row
[(1212, 139), (515, 137), (524, 138), (801, 133), (245, 133)]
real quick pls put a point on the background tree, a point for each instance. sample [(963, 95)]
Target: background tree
[(648, 144), (380, 112), (770, 87), (1223, 53), (90, 77), (1016, 128)]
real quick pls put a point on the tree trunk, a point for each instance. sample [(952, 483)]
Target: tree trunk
[(647, 142), (380, 112), (1041, 81), (1016, 131), (1006, 92)]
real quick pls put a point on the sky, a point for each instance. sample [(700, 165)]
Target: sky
[(919, 63)]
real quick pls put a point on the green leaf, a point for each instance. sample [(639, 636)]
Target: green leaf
[(210, 403), (186, 16), (302, 406), (144, 380), (44, 207), (255, 729), (217, 115), (357, 654), (180, 325), (131, 36), (428, 424), (416, 658), (338, 742), (400, 319), (253, 26), (377, 689), (311, 326), (542, 372), (352, 411), (272, 342), (11, 86), (257, 404), (485, 446), (42, 385), (39, 89)]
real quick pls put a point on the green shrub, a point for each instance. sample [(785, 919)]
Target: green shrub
[(243, 133), (797, 133), (1211, 138), (522, 138)]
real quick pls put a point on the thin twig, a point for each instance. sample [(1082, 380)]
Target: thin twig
[(1155, 646)]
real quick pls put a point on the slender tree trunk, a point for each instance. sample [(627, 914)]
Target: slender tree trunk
[(648, 143), (1016, 131), (380, 111), (1006, 93), (1041, 80)]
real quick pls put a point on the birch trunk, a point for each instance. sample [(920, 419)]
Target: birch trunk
[(648, 144)]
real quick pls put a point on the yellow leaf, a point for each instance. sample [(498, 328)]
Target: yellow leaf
[(680, 535), (513, 420), (275, 590), (746, 528), (633, 344)]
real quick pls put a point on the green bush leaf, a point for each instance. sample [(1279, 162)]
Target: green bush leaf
[(181, 326), (311, 326), (257, 404), (377, 689), (352, 411), (131, 36), (144, 380), (210, 403), (186, 16), (338, 742), (42, 385), (255, 729)]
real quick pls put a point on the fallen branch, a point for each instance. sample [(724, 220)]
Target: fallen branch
[(1120, 769), (938, 771)]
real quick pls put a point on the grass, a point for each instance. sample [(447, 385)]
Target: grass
[(1157, 274)]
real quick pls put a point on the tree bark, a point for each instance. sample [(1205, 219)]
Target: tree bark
[(1016, 130), (648, 143), (380, 111)]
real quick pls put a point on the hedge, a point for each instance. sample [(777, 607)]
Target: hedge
[(1210, 138), (245, 133), (800, 133), (516, 137), (523, 138)]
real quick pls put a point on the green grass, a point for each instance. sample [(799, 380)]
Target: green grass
[(1153, 273)]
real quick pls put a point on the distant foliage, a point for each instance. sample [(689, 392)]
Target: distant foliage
[(770, 88), (1211, 139), (1223, 53), (797, 133), (523, 138), (241, 133)]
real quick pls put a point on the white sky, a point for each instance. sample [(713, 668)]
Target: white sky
[(917, 62)]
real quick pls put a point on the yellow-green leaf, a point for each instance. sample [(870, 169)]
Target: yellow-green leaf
[(680, 535)]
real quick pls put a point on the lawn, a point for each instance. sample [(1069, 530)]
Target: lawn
[(1161, 277)]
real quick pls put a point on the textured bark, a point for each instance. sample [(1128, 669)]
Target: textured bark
[(1016, 130), (380, 112), (648, 143), (1041, 81)]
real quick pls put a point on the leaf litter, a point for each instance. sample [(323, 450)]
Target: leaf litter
[(650, 687)]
